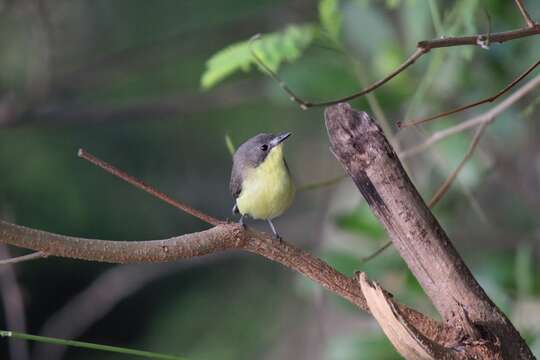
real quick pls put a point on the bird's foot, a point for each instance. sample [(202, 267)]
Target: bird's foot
[(241, 222), (275, 234)]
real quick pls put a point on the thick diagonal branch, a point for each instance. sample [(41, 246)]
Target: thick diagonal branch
[(361, 147)]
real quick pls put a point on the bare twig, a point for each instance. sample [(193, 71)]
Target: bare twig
[(525, 14), (448, 182), (376, 253), (27, 257), (483, 120), (507, 88), (372, 100), (141, 185), (488, 116), (422, 48), (321, 184)]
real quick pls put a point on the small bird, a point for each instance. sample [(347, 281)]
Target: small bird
[(260, 180)]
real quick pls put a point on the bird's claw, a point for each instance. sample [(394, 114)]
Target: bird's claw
[(241, 222)]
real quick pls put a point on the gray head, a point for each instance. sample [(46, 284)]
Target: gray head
[(255, 150)]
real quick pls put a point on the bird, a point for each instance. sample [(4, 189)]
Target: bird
[(261, 183)]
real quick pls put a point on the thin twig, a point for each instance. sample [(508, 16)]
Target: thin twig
[(141, 185), (27, 257), (448, 182), (422, 48), (376, 253), (525, 14), (321, 184), (507, 88), (475, 121), (476, 140), (374, 104), (273, 75)]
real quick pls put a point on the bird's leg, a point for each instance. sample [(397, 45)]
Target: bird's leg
[(241, 221), (276, 235), (236, 211)]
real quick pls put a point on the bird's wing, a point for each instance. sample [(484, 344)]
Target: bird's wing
[(235, 186)]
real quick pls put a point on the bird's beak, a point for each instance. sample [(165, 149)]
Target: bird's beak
[(279, 139)]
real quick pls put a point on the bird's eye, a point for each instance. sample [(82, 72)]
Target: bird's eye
[(264, 147)]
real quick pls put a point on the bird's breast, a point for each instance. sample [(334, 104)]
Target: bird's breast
[(267, 190)]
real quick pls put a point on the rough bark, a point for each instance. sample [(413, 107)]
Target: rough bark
[(360, 145)]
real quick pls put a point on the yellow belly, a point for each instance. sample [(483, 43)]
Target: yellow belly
[(268, 190)]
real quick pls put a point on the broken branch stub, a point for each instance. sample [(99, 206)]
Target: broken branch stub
[(407, 340)]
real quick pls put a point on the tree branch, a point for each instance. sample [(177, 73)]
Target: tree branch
[(141, 185), (507, 88), (488, 116), (27, 257), (525, 14), (226, 236), (423, 47), (220, 238), (448, 182), (360, 145)]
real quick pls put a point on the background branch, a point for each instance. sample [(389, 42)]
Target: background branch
[(100, 297), (476, 103), (141, 185), (488, 116), (448, 182), (525, 14), (423, 47)]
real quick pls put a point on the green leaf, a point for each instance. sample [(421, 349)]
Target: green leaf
[(272, 49), (331, 19)]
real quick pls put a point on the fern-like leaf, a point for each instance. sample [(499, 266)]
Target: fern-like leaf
[(273, 49)]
